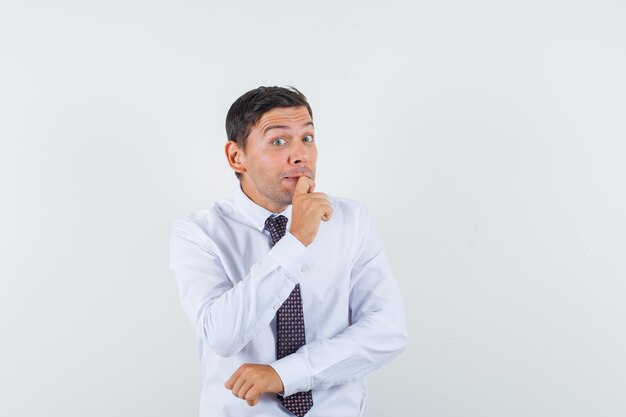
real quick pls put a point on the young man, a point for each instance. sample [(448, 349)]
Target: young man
[(289, 290)]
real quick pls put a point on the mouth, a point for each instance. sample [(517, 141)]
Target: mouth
[(295, 177)]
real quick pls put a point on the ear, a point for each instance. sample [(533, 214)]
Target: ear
[(235, 156)]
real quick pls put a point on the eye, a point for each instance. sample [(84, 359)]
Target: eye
[(275, 141), (308, 138)]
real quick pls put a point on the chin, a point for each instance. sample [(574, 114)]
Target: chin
[(286, 197)]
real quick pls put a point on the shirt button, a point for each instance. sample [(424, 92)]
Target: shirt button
[(304, 269)]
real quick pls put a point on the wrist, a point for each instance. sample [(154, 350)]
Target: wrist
[(298, 236)]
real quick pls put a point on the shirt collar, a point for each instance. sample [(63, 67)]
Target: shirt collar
[(254, 212)]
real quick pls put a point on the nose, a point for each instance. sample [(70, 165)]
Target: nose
[(298, 153)]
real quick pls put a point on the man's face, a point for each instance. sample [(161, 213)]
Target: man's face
[(280, 149)]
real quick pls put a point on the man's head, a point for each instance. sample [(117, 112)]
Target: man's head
[(271, 144)]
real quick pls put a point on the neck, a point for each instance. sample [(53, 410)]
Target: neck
[(255, 196)]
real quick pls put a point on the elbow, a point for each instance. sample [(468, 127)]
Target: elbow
[(400, 339), (222, 349), (394, 340), (404, 340), (398, 333), (217, 337), (222, 343)]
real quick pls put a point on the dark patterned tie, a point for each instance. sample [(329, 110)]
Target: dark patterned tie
[(289, 326)]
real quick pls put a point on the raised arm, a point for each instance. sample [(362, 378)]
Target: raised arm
[(227, 316)]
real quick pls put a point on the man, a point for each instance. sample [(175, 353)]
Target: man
[(289, 290)]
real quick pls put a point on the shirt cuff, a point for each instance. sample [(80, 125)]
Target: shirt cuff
[(293, 372), (292, 256)]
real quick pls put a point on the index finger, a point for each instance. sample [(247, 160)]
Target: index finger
[(231, 381), (304, 185)]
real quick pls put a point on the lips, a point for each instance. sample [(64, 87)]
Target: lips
[(295, 176)]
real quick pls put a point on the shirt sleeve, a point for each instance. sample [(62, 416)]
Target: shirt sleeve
[(377, 334), (227, 316)]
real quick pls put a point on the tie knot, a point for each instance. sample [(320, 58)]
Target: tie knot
[(277, 227)]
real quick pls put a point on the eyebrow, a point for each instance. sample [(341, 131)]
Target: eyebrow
[(284, 127)]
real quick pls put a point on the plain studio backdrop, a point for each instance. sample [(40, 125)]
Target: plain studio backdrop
[(487, 138)]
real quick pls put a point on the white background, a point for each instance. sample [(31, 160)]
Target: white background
[(487, 138)]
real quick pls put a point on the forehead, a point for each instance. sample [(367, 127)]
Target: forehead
[(289, 117)]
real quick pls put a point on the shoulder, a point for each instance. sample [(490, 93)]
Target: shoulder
[(349, 209), (346, 204), (200, 224)]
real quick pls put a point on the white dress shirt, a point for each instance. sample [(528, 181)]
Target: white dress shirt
[(231, 283)]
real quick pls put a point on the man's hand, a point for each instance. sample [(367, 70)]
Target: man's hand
[(251, 380), (307, 210)]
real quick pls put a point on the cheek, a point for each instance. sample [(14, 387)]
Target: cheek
[(269, 165)]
